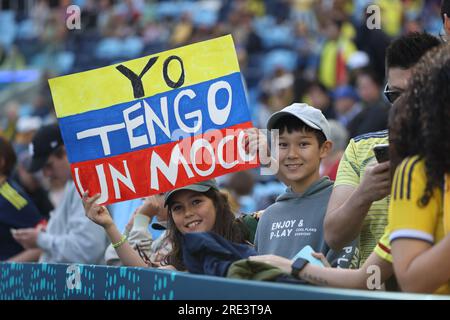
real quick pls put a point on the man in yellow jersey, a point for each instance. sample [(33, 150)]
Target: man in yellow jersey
[(359, 202)]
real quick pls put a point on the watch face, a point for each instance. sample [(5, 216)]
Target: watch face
[(298, 265)]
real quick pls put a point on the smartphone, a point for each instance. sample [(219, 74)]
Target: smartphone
[(381, 152), (306, 253)]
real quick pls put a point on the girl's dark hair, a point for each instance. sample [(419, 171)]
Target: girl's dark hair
[(225, 225), (7, 156), (419, 123)]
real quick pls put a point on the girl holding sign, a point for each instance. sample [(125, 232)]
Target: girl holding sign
[(199, 207)]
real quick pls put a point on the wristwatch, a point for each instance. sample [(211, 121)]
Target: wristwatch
[(297, 266)]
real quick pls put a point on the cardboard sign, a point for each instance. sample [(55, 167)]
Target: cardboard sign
[(156, 123)]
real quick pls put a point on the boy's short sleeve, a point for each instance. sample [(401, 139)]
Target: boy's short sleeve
[(349, 167), (407, 219)]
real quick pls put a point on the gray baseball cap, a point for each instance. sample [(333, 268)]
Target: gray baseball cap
[(201, 186), (311, 116)]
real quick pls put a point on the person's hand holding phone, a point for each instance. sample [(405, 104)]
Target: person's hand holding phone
[(381, 152), (376, 182)]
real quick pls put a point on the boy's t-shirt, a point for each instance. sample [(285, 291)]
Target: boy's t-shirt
[(296, 220), (357, 155)]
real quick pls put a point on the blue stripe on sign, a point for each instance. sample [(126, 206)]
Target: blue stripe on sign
[(112, 119)]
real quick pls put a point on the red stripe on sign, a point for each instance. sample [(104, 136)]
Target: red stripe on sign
[(165, 167)]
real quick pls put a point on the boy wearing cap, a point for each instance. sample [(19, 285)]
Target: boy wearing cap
[(359, 203), (296, 218), (69, 237)]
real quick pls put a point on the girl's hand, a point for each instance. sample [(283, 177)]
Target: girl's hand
[(98, 214)]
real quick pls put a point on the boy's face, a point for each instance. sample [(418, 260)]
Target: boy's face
[(300, 156)]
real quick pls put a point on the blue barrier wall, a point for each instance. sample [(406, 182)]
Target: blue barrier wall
[(60, 282)]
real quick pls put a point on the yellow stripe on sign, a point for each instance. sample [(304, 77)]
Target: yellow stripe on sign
[(107, 86)]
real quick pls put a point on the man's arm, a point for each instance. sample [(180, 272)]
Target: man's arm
[(28, 255), (348, 278), (334, 277), (348, 205), (345, 214)]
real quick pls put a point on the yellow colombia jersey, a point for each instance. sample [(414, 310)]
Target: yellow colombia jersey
[(406, 218), (358, 154), (383, 248)]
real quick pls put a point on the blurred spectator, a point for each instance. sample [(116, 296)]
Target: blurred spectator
[(318, 96), (11, 59), (374, 42), (39, 15), (263, 110), (280, 87), (70, 236), (41, 107), (346, 105), (16, 209), (304, 14), (182, 31), (335, 54), (357, 63), (26, 129), (241, 188), (373, 116), (391, 16), (339, 137), (8, 123)]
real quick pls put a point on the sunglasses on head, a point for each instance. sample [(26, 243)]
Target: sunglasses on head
[(391, 95)]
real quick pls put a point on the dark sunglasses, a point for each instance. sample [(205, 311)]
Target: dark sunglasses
[(391, 95)]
